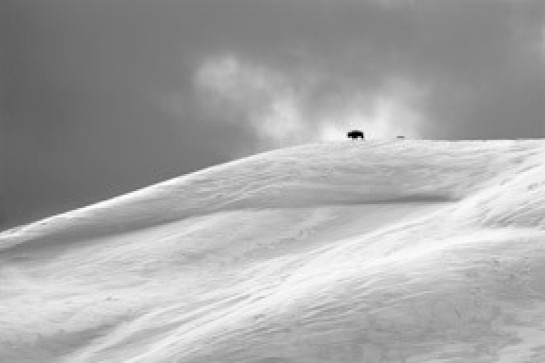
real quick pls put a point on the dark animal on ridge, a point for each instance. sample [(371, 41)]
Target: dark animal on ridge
[(355, 134)]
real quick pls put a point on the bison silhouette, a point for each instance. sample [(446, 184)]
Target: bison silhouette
[(355, 134)]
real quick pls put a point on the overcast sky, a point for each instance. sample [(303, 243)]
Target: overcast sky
[(105, 96)]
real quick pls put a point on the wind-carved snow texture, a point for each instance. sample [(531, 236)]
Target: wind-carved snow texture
[(403, 251)]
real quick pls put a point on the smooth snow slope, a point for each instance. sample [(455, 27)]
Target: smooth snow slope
[(401, 251)]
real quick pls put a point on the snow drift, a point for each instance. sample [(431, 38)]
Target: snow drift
[(379, 251)]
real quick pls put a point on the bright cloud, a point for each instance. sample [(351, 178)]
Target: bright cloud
[(285, 109), (393, 110), (264, 100)]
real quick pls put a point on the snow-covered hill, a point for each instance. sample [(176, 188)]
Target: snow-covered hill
[(376, 251)]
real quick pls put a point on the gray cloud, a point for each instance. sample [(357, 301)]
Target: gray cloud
[(107, 96)]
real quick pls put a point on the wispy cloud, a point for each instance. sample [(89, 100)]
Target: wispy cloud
[(396, 108), (289, 107), (260, 98)]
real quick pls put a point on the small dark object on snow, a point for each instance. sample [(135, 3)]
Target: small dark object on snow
[(401, 137), (355, 134)]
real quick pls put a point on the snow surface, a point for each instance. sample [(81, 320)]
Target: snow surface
[(367, 252)]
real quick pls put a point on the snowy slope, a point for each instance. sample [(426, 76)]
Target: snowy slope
[(379, 251)]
